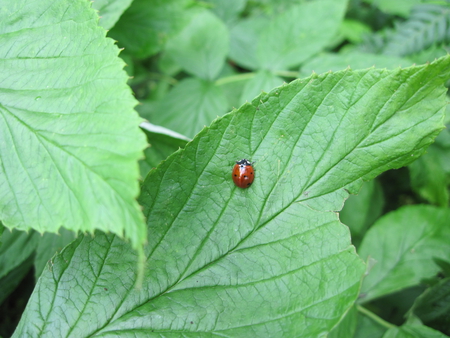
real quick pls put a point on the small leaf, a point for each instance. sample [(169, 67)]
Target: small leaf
[(201, 47), (404, 243), (70, 136), (272, 260)]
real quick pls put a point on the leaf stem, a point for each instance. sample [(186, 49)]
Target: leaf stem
[(374, 317), (234, 78), (287, 73)]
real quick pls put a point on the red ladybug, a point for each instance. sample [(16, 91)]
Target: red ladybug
[(243, 174)]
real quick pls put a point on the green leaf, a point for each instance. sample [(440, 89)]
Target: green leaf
[(354, 30), (162, 143), (16, 258), (147, 24), (398, 7), (110, 11), (271, 260), (10, 282), (429, 178), (433, 306), (289, 38), (264, 81), (413, 331), (354, 59), (17, 246), (189, 106), (361, 211), (228, 10), (201, 47), (48, 246), (244, 37), (347, 326), (404, 243), (70, 137), (294, 36), (369, 326), (428, 24)]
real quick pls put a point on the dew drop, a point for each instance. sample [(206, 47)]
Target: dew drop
[(37, 98)]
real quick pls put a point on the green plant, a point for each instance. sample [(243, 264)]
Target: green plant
[(211, 259)]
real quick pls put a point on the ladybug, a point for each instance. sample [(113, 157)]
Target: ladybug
[(243, 173)]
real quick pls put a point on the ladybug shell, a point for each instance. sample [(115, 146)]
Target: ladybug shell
[(243, 174)]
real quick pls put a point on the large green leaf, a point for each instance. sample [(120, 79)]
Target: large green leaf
[(70, 139), (269, 261), (404, 243)]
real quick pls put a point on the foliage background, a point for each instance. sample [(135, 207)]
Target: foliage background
[(190, 62)]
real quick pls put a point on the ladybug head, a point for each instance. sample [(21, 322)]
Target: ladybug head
[(244, 162)]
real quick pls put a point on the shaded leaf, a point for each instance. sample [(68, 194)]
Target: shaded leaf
[(264, 81), (413, 331), (429, 178), (404, 243), (288, 39), (17, 247), (201, 47), (228, 10), (427, 25), (190, 105), (146, 25), (360, 211), (161, 145), (433, 306)]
